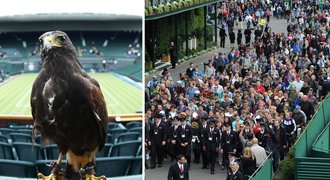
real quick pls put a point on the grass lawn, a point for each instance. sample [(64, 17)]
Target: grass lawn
[(120, 96)]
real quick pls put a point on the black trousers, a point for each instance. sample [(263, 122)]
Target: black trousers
[(222, 42), (204, 158), (211, 156), (197, 152), (157, 151), (247, 40), (173, 61)]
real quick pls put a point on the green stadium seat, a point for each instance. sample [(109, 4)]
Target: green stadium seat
[(25, 131), (128, 136), (7, 131), (27, 152), (131, 125), (41, 166), (109, 139), (115, 133), (52, 152), (105, 150), (6, 151), (139, 152), (129, 148), (112, 125), (20, 137), (4, 139), (21, 169), (112, 166), (135, 166), (20, 127), (136, 129)]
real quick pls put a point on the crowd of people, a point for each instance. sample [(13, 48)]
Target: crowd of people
[(249, 102)]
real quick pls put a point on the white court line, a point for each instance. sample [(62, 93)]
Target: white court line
[(20, 102), (114, 101)]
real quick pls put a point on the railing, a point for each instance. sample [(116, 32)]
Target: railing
[(304, 144), (265, 170), (115, 117)]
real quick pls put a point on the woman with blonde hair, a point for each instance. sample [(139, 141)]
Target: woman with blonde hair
[(249, 164)]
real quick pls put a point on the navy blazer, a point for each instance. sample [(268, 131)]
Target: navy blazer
[(174, 172)]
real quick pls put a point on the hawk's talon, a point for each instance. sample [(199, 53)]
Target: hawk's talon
[(52, 176), (92, 177)]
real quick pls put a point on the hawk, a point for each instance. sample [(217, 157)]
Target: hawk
[(68, 108)]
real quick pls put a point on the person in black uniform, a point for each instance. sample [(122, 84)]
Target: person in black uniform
[(146, 134), (222, 34), (184, 139), (179, 170), (247, 34), (173, 138), (239, 37), (203, 128), (157, 141), (232, 38), (173, 55), (211, 143), (196, 140), (231, 160), (236, 175), (261, 135), (228, 144)]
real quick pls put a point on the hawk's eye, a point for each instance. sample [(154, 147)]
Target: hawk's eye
[(61, 38), (40, 41)]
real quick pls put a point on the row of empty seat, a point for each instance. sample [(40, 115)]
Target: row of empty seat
[(120, 156), (108, 166)]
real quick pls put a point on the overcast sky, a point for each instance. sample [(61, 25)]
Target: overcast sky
[(19, 7)]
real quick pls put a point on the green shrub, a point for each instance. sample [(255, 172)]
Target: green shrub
[(196, 1), (149, 11), (167, 8), (174, 5), (190, 2), (286, 170)]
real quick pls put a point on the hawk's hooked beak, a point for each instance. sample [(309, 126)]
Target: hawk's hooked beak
[(50, 42)]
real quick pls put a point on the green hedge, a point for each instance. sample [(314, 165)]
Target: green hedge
[(161, 8), (165, 30)]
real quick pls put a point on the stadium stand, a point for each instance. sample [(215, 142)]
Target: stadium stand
[(121, 158), (98, 51)]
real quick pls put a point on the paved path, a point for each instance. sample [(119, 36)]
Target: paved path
[(277, 26), (196, 173)]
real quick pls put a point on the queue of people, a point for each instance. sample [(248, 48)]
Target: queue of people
[(249, 102)]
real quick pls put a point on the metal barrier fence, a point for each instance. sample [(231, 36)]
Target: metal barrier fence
[(303, 145), (265, 170)]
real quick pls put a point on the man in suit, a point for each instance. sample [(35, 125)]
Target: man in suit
[(260, 135), (173, 55), (228, 144), (203, 128), (211, 143), (179, 170), (184, 139), (232, 159), (173, 138), (236, 175), (222, 34), (157, 135)]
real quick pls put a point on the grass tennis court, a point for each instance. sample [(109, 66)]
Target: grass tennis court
[(120, 96)]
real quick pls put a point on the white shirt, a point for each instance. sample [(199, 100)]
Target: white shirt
[(299, 85), (181, 167), (184, 127), (260, 154)]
